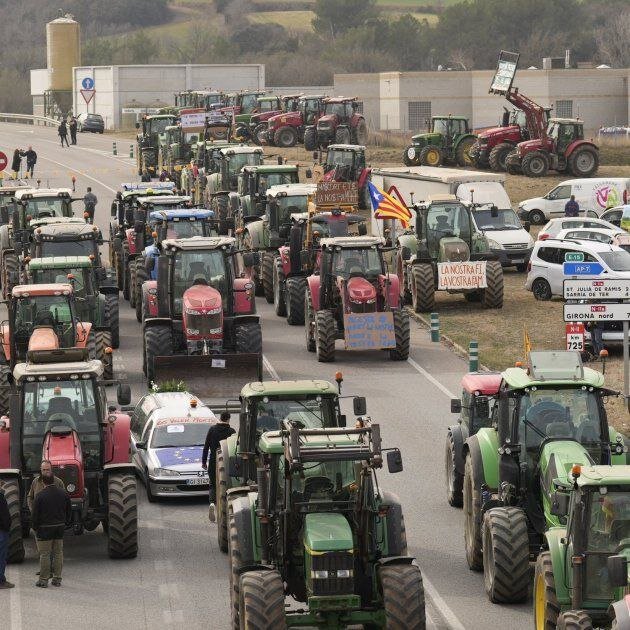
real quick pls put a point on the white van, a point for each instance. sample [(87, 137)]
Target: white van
[(594, 195)]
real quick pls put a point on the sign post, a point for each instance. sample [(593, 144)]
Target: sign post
[(575, 337), (88, 91)]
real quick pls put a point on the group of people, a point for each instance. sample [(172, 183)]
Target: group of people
[(31, 160), (68, 127)]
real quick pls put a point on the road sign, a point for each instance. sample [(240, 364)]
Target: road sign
[(4, 161), (605, 289), (87, 95), (87, 83), (596, 312), (582, 268), (574, 257), (575, 337)]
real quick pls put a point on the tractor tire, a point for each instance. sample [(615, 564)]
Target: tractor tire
[(279, 292), (498, 155), (361, 133), (325, 336), (221, 501), (158, 342), (463, 152), (11, 488), (454, 480), (258, 130), (396, 531), (309, 321), (5, 389), (261, 603), (431, 156), (122, 516), (546, 607), (403, 597), (505, 555), (248, 338), (91, 344), (285, 137), (141, 277), (535, 164), (295, 289), (132, 283), (103, 340), (112, 317), (411, 156), (343, 135), (125, 270), (472, 517), (310, 138), (583, 162), (422, 288), (402, 335), (10, 267), (266, 276), (575, 620), (492, 295), (239, 557), (117, 264)]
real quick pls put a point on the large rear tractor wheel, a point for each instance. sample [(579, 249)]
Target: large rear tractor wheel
[(505, 555), (295, 289), (10, 269), (492, 295), (498, 156), (122, 516), (103, 339), (241, 555), (402, 335), (361, 133), (535, 164), (454, 479), (158, 342), (575, 620), (286, 137), (11, 488), (112, 317), (546, 607), (431, 156), (117, 264), (248, 338), (472, 517), (261, 601), (259, 133), (403, 597), (141, 277), (309, 321), (463, 152), (279, 292), (422, 288), (221, 501), (310, 138), (325, 336), (583, 162), (266, 273)]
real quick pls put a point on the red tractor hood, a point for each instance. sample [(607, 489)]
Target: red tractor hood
[(328, 118), (288, 118), (202, 298), (360, 290), (62, 448), (263, 116), (500, 131), (529, 145)]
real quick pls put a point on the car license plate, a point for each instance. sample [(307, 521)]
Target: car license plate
[(518, 261), (199, 481)]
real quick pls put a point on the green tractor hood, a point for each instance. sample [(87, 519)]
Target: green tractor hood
[(453, 249), (426, 139), (327, 532)]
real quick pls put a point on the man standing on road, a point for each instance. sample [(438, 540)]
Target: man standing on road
[(31, 160), (62, 130), (73, 130), (51, 512), (5, 528), (90, 202), (572, 208), (217, 432), (37, 486)]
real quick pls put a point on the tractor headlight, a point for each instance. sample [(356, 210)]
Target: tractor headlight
[(319, 575), (152, 291), (344, 573), (71, 488), (190, 331), (165, 472)]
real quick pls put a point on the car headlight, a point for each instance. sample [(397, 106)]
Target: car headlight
[(165, 472), (494, 244)]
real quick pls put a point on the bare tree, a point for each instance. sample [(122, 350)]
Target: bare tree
[(613, 40)]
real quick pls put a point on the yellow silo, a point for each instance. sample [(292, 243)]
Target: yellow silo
[(63, 50)]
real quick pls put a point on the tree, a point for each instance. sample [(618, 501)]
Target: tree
[(613, 40), (337, 16)]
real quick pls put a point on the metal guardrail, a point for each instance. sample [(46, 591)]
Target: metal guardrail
[(29, 119)]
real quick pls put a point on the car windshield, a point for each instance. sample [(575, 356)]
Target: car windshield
[(63, 403), (505, 219), (311, 411), (51, 207), (170, 433), (201, 266), (365, 261), (95, 117), (86, 247), (617, 261), (588, 235), (81, 278), (43, 310)]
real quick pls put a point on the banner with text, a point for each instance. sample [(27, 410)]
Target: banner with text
[(462, 275), (369, 331)]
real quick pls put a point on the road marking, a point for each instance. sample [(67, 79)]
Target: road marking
[(15, 605), (442, 608), (83, 173), (270, 369), (430, 378)]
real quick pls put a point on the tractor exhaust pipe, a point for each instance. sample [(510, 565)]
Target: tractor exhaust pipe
[(262, 477)]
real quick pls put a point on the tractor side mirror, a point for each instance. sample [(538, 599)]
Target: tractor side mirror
[(114, 209), (394, 461), (405, 252), (559, 503), (456, 405), (309, 173), (141, 446), (123, 394), (527, 226), (4, 215), (359, 405), (362, 228), (617, 570), (251, 259)]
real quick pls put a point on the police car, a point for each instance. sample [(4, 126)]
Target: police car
[(168, 431)]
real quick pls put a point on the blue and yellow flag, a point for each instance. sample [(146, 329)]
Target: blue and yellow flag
[(387, 207)]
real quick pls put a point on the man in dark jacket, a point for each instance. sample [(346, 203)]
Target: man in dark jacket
[(217, 432), (73, 130), (5, 528), (51, 512), (31, 160), (62, 130), (90, 201), (572, 208)]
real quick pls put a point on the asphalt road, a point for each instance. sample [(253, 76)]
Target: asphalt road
[(180, 579)]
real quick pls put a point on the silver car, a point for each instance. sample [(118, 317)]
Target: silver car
[(168, 431)]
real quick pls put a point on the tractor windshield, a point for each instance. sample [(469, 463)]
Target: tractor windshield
[(158, 125), (339, 158), (329, 481), (335, 109), (505, 219), (446, 220), (185, 228), (202, 266), (290, 205), (51, 207), (441, 126), (85, 247), (269, 105), (249, 102), (366, 261), (44, 310), (60, 403), (267, 180), (311, 411), (239, 160)]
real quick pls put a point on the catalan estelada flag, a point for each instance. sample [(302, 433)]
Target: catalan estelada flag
[(387, 207)]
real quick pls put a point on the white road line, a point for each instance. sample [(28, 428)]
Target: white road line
[(430, 378), (270, 369), (83, 173), (15, 605), (440, 605)]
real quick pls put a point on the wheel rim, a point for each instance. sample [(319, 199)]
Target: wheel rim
[(539, 603), (585, 161), (286, 137), (540, 290), (488, 561), (536, 166), (466, 153), (411, 153), (433, 157)]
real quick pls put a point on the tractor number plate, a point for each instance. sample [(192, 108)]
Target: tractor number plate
[(369, 331)]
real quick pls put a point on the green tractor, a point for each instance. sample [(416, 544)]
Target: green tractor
[(548, 417), (150, 130), (448, 142), (175, 150), (317, 527)]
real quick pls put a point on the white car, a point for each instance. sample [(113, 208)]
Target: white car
[(552, 228), (601, 235), (546, 272)]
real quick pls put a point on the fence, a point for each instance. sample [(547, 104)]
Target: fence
[(29, 119)]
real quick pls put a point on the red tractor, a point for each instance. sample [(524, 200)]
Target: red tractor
[(352, 297), (202, 314), (341, 123), (259, 122), (59, 412), (287, 129)]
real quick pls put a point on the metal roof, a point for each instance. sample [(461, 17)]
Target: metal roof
[(199, 242), (270, 168), (603, 475), (241, 148), (288, 388), (167, 200), (352, 242), (43, 192), (60, 262)]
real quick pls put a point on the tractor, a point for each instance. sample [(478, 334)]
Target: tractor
[(263, 406), (258, 123), (351, 296), (204, 160), (287, 129), (449, 141), (561, 147), (548, 417), (317, 527), (148, 141), (205, 313), (175, 151), (208, 99), (167, 224), (340, 123), (59, 412), (7, 193), (241, 106), (444, 252)]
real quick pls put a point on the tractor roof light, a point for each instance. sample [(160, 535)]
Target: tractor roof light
[(193, 403), (576, 471), (108, 350)]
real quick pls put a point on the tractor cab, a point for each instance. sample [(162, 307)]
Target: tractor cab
[(67, 238), (180, 223), (311, 108), (283, 201), (253, 182), (344, 163), (8, 191), (75, 270), (340, 109), (563, 132), (155, 126)]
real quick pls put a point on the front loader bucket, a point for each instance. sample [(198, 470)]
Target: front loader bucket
[(211, 377)]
